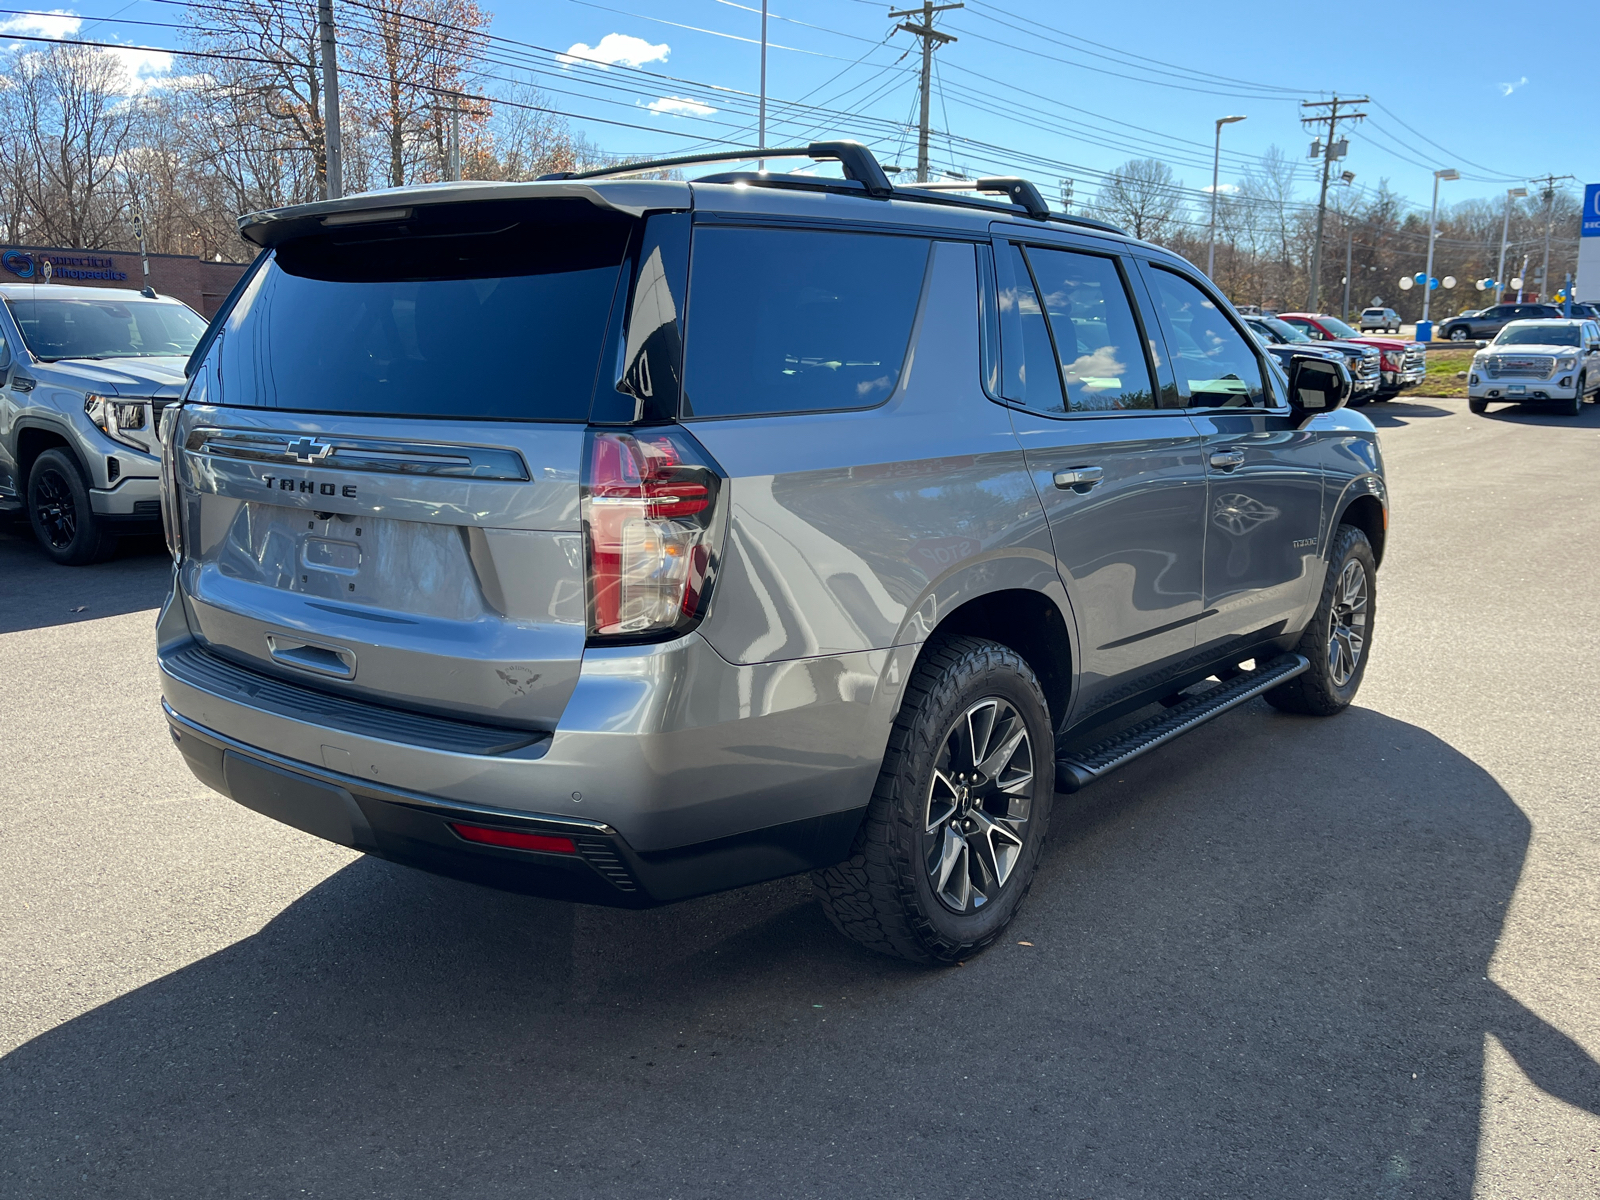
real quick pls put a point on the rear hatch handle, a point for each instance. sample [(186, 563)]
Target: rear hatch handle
[(308, 656)]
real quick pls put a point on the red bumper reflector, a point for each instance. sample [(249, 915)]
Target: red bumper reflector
[(513, 840)]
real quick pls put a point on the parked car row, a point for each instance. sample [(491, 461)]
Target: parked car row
[(1402, 364), (1283, 341)]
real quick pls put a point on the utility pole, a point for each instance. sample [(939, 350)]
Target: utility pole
[(1333, 149), (1505, 234), (931, 39), (332, 144), (761, 121), (1549, 182), (1349, 245)]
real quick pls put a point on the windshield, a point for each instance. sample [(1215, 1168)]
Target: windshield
[(56, 327), (1337, 327), (1284, 330), (1538, 335)]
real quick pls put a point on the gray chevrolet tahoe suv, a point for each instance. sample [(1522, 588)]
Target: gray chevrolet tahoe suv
[(84, 375), (626, 540)]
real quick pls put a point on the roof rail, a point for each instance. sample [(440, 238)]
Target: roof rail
[(857, 161), (861, 166)]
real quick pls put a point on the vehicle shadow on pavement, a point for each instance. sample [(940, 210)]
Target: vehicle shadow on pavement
[(36, 593), (1398, 413), (1541, 414), (1254, 964)]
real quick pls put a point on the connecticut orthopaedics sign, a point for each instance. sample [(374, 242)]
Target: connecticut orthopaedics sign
[(61, 266)]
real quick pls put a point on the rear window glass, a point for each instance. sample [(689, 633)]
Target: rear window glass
[(490, 311), (786, 320)]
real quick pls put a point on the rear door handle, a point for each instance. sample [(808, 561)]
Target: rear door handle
[(1079, 479), (307, 656), (1227, 460)]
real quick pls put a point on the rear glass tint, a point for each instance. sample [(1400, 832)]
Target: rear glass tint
[(788, 320), (479, 311)]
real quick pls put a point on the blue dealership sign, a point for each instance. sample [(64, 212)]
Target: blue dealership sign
[(18, 263), (1591, 210)]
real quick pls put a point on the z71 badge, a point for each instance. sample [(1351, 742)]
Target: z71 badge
[(310, 487)]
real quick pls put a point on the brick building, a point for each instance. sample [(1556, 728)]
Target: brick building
[(200, 284)]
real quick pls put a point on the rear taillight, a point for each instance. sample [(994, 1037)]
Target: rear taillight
[(513, 839), (171, 518), (653, 526)]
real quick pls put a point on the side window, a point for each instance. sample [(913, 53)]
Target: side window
[(792, 320), (1303, 326), (1028, 376), (1096, 337), (1216, 367)]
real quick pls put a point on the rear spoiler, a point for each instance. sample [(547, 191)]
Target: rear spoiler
[(633, 197)]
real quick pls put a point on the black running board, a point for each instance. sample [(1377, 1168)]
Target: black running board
[(1080, 768)]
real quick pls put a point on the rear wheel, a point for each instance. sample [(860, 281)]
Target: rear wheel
[(1338, 639), (953, 833), (59, 510)]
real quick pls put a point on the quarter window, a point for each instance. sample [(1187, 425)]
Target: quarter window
[(789, 320), (1215, 366)]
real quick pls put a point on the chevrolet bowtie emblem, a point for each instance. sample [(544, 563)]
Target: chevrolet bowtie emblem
[(307, 451)]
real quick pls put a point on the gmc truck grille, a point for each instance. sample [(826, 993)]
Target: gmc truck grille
[(1526, 366)]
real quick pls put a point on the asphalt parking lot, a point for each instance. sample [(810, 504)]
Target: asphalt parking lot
[(1280, 957)]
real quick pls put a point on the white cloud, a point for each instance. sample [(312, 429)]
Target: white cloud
[(677, 106), (145, 68), (1507, 88), (615, 49), (57, 23), (1223, 189)]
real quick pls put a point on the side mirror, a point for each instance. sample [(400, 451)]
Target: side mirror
[(1317, 385), (1481, 344)]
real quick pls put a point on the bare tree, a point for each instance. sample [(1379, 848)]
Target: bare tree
[(1144, 197), (66, 129)]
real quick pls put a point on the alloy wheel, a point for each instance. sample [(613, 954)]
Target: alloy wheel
[(1347, 624), (57, 511), (978, 805)]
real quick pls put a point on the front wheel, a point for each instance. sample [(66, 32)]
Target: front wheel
[(60, 513), (948, 847), (1338, 641), (1574, 407), (1479, 406), (1458, 334)]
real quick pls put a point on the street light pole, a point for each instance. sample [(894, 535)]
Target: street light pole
[(1433, 229), (1216, 167), (1505, 234)]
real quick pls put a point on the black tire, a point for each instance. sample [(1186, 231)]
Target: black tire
[(883, 895), (1574, 407), (60, 513), (1458, 334), (1328, 687), (1476, 405)]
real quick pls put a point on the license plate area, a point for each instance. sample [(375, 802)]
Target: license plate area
[(1517, 389)]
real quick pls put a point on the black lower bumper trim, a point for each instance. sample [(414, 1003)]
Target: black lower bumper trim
[(416, 830)]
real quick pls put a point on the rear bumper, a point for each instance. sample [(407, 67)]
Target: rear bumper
[(419, 831)]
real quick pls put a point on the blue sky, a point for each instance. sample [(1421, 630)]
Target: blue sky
[(1018, 65), (1040, 88)]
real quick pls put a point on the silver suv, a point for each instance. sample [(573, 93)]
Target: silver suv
[(84, 375), (628, 540)]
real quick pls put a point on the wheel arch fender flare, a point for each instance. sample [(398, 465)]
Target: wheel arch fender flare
[(1364, 503), (32, 435), (1015, 597)]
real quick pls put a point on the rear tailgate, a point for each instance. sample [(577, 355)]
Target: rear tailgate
[(379, 455), (434, 565)]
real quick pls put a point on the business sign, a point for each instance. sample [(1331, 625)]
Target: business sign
[(60, 266), (1587, 285)]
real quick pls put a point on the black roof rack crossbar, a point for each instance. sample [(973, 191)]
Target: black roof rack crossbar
[(858, 162), (1021, 192)]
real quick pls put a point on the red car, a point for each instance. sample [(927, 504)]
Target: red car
[(1404, 363)]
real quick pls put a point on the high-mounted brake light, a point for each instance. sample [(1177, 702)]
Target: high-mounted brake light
[(653, 526), (515, 840)]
